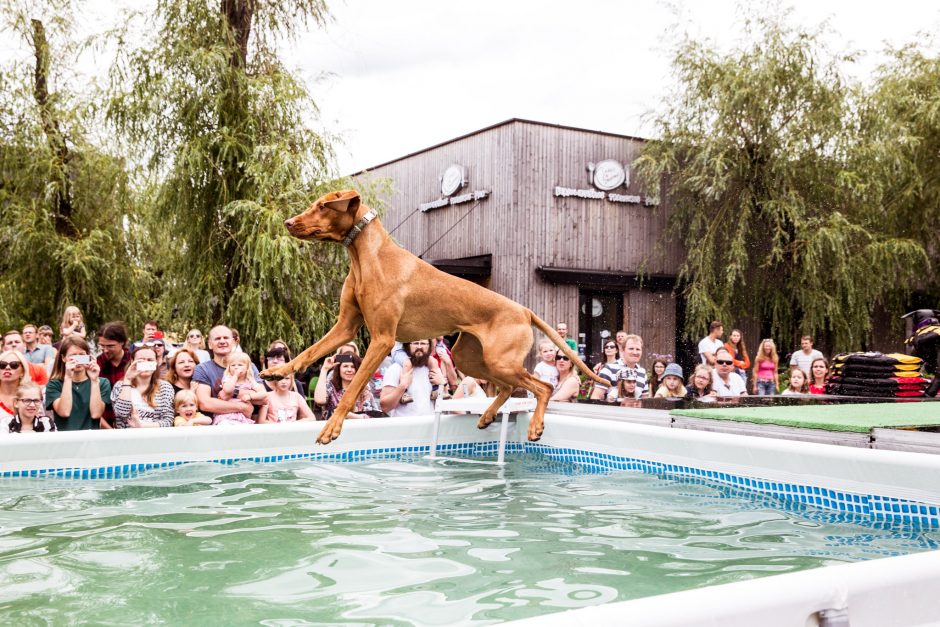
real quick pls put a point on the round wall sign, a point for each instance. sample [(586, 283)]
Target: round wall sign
[(455, 177), (596, 308), (609, 174)]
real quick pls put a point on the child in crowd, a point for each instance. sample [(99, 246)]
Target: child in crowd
[(626, 387), (237, 383), (672, 383), (545, 370), (657, 372), (797, 386), (285, 404), (72, 322), (27, 407), (187, 410), (700, 384)]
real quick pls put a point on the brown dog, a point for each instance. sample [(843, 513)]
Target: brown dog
[(392, 292)]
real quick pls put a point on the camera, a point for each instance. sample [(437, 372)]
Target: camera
[(82, 360), (146, 366)]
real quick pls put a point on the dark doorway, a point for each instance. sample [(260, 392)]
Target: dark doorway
[(599, 312)]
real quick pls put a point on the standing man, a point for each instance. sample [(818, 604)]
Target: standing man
[(151, 329), (415, 378), (632, 354), (562, 329), (710, 344), (805, 357), (113, 360), (725, 381), (36, 353), (208, 377)]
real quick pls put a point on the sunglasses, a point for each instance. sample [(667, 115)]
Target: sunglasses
[(11, 365), (723, 362), (610, 346), (561, 358), (195, 336)]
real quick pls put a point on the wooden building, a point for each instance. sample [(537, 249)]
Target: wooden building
[(549, 216)]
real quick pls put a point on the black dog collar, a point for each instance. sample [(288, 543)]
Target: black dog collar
[(357, 229)]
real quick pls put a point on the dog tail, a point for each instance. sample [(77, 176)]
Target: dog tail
[(552, 334)]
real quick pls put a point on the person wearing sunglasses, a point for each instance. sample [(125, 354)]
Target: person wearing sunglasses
[(197, 344), (569, 384), (28, 417), (14, 371), (725, 381)]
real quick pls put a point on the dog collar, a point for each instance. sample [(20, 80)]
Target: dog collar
[(357, 229)]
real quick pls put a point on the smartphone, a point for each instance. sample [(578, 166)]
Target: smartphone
[(83, 360), (146, 366)]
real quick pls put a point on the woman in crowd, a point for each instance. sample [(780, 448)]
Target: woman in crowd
[(817, 375), (656, 371), (285, 404), (672, 383), (700, 384), (76, 394), (610, 355), (797, 385), (766, 362), (197, 344), (180, 371), (738, 350), (28, 415), (159, 349), (569, 384), (14, 370), (142, 399), (335, 376), (72, 322)]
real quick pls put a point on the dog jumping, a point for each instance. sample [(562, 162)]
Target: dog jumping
[(388, 289)]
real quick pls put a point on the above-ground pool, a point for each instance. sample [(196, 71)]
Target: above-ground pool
[(195, 532)]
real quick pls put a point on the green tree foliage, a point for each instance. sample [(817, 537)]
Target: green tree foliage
[(901, 129), (760, 149), (64, 200), (222, 125)]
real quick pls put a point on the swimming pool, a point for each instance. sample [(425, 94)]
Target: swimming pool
[(394, 538)]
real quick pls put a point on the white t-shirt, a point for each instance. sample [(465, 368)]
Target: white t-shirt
[(734, 387), (547, 373), (420, 390), (803, 361), (708, 345)]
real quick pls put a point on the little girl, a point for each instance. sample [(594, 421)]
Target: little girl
[(28, 415), (187, 410), (237, 384), (672, 383), (285, 404), (797, 385)]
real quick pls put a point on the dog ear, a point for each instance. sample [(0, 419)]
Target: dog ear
[(347, 200)]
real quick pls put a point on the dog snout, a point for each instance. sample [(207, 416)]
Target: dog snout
[(289, 222)]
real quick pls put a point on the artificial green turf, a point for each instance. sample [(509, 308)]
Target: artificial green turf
[(860, 418)]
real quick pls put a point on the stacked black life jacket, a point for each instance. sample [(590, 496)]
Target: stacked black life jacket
[(876, 375)]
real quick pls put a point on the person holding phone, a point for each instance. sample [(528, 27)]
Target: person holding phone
[(142, 399), (76, 394)]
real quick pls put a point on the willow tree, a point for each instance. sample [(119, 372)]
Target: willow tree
[(901, 124), (223, 126), (758, 145), (64, 200)]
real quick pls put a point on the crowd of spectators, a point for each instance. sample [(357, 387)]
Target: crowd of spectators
[(102, 380), (726, 370)]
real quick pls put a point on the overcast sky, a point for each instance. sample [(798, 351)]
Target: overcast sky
[(408, 74)]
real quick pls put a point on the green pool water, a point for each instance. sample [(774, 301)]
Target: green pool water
[(393, 543)]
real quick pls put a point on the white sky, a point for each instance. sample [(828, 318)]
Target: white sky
[(413, 73), (407, 74)]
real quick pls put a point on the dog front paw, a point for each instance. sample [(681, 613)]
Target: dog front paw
[(277, 373)]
